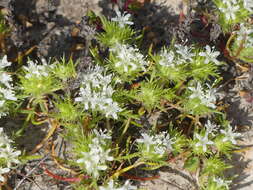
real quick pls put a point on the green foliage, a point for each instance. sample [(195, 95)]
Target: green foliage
[(67, 113), (149, 94), (214, 166), (114, 34), (239, 12), (37, 87), (192, 164), (134, 110), (64, 70)]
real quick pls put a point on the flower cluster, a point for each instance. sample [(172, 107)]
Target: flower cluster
[(210, 55), (203, 141), (184, 52), (128, 59), (222, 183), (167, 58), (6, 87), (248, 4), (96, 92), (35, 70), (122, 19), (38, 80), (207, 97), (157, 144), (95, 160), (230, 9), (208, 136), (112, 186), (8, 156), (230, 135), (210, 127), (245, 34)]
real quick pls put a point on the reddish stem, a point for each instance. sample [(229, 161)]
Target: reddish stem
[(60, 178)]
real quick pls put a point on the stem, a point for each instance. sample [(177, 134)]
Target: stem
[(25, 124), (118, 173)]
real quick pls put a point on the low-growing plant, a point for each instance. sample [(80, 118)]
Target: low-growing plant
[(103, 116)]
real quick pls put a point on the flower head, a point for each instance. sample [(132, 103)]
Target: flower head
[(222, 183), (167, 58), (210, 127), (95, 160), (248, 4), (128, 59), (35, 70), (96, 93), (185, 52), (203, 141), (122, 19), (230, 135), (114, 186), (6, 87), (4, 62), (245, 33), (158, 144), (207, 97), (230, 9), (210, 55), (8, 155)]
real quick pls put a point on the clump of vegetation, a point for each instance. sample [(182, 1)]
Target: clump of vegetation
[(102, 117)]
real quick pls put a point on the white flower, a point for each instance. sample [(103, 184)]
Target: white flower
[(91, 163), (203, 141), (230, 9), (244, 34), (35, 70), (102, 136), (128, 186), (164, 143), (210, 55), (96, 93), (6, 87), (112, 186), (95, 76), (230, 135), (95, 160), (4, 63), (207, 97), (185, 52), (4, 140), (210, 127), (167, 58), (222, 183), (122, 19), (147, 140), (5, 79), (10, 155), (7, 94), (109, 186), (128, 58), (248, 4), (159, 143), (3, 171)]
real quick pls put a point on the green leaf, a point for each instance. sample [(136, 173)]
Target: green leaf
[(192, 164)]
